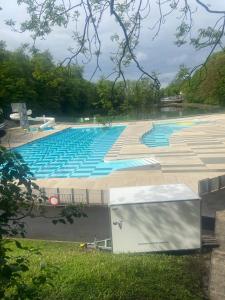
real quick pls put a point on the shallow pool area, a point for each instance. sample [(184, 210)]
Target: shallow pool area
[(160, 134)]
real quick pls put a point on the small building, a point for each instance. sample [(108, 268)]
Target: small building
[(155, 218)]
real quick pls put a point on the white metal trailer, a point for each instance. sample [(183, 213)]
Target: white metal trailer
[(155, 218)]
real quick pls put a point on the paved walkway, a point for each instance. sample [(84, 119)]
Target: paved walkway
[(16, 136), (194, 153)]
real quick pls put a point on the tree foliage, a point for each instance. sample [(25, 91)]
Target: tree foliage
[(19, 195), (49, 89), (87, 17), (206, 85), (45, 87), (176, 85)]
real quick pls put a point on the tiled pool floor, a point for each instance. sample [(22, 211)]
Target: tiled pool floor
[(74, 152)]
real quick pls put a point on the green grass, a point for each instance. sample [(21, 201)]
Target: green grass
[(97, 275)]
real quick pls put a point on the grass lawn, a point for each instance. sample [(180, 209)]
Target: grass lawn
[(98, 275)]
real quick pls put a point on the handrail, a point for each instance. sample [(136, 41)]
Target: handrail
[(210, 185), (71, 196), (2, 125)]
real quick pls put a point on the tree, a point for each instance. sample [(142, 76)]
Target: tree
[(45, 15), (104, 102), (47, 82), (141, 95), (16, 83), (18, 197), (177, 84), (44, 86), (207, 85)]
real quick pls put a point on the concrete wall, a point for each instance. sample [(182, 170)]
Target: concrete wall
[(217, 272), (95, 225), (213, 202)]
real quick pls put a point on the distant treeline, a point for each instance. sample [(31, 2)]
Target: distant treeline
[(205, 86), (49, 89)]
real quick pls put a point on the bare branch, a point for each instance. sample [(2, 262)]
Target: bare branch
[(129, 15), (127, 40), (210, 10)]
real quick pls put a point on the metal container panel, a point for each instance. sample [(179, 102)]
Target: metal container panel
[(152, 193), (152, 227)]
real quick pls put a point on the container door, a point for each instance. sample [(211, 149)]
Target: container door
[(156, 227)]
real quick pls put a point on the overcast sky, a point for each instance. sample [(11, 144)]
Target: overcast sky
[(160, 55)]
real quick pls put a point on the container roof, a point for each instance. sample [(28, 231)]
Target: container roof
[(150, 194)]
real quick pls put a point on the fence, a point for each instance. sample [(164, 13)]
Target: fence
[(66, 196), (210, 185), (76, 196)]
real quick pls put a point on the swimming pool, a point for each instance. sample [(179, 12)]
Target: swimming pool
[(74, 152), (160, 134)]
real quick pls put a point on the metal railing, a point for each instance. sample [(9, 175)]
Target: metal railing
[(72, 196), (76, 196), (210, 185)]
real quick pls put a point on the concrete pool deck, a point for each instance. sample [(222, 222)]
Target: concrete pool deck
[(195, 153)]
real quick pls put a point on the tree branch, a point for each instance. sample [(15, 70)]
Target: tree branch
[(210, 10)]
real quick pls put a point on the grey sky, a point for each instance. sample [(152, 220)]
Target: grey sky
[(160, 55)]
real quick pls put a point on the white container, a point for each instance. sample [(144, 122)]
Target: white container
[(155, 218)]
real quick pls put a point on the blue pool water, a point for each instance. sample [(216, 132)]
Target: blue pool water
[(74, 152), (159, 135)]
